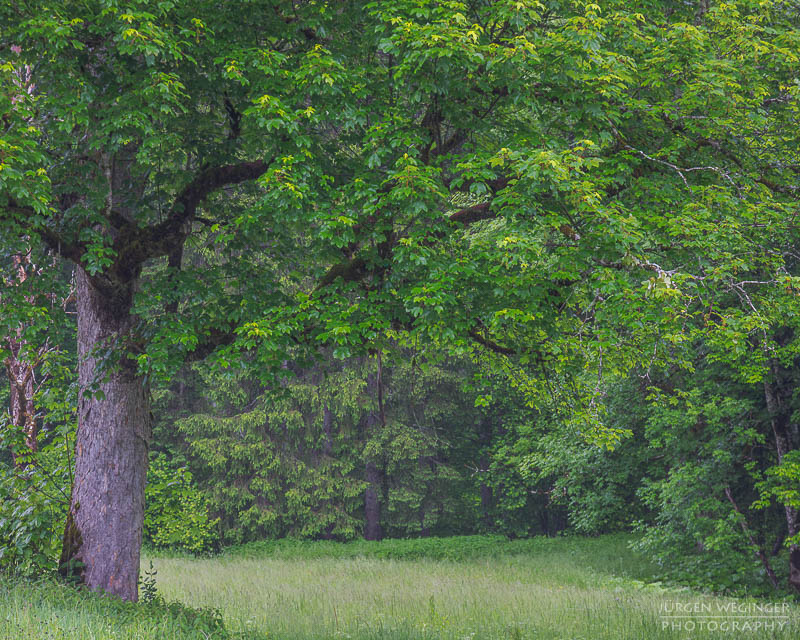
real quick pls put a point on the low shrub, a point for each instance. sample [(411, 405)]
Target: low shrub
[(176, 512)]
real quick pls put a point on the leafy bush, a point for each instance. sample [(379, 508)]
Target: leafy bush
[(30, 519), (33, 504), (176, 513), (781, 485), (701, 491)]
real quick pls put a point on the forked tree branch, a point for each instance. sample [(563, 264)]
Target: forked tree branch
[(163, 238)]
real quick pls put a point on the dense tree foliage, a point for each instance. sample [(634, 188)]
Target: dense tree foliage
[(570, 201)]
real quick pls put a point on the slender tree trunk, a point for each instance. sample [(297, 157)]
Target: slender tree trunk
[(103, 535), (782, 429), (486, 494), (424, 530), (757, 548), (373, 474), (22, 409), (327, 427), (21, 374), (426, 463), (372, 503), (544, 521), (486, 499)]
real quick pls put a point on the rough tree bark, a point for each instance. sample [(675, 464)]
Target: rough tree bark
[(103, 535), (103, 532)]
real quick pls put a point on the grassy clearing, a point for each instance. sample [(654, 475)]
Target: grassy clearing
[(558, 588), (464, 588)]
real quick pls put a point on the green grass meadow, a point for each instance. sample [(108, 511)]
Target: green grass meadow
[(467, 588)]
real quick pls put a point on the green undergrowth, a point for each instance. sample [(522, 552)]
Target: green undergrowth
[(476, 588), (609, 553), (51, 610)]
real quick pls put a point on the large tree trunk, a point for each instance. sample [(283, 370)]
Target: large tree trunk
[(103, 535)]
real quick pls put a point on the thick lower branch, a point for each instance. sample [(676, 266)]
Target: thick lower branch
[(135, 245), (490, 344), (351, 271)]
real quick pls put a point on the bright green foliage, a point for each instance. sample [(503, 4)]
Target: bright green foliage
[(34, 499), (564, 193), (782, 484), (176, 513), (708, 440), (33, 507)]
